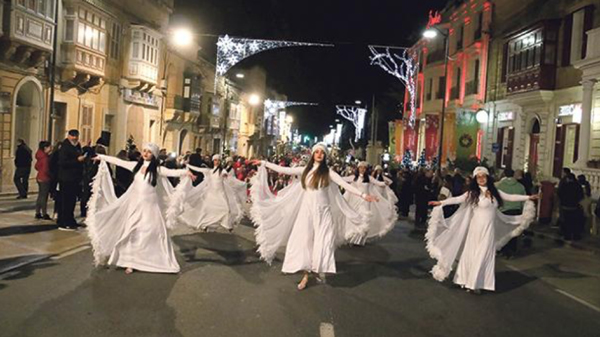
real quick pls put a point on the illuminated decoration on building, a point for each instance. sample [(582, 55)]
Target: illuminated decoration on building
[(356, 115), (435, 18), (403, 67), (232, 50)]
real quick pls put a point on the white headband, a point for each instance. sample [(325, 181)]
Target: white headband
[(216, 157), (378, 167), (363, 164), (153, 148), (479, 170), (321, 146)]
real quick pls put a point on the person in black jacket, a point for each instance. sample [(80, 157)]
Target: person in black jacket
[(22, 168), (572, 219), (70, 172), (196, 160)]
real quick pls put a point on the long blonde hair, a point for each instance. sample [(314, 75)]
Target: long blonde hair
[(321, 177)]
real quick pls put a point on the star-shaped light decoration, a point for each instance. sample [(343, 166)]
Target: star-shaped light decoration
[(232, 50)]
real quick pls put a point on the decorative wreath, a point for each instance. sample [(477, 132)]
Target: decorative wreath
[(465, 140)]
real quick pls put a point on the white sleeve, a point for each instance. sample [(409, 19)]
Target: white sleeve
[(377, 182), (513, 197), (292, 171), (456, 200), (129, 165), (338, 180), (348, 179), (203, 170), (387, 180), (171, 172)]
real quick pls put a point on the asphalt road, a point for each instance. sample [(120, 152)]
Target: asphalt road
[(382, 289)]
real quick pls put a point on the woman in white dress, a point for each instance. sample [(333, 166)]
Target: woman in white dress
[(384, 189), (479, 228), (130, 231), (216, 203), (311, 218), (382, 214)]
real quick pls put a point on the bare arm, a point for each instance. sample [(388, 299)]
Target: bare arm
[(129, 165), (513, 197), (292, 171), (342, 183)]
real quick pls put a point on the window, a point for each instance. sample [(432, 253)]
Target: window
[(87, 117), (69, 30), (575, 38), (441, 88), (476, 74), (89, 34), (479, 27), (459, 37), (430, 89), (115, 41)]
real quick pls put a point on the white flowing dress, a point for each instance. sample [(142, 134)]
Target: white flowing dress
[(480, 230), (131, 231), (309, 221), (218, 202), (382, 214)]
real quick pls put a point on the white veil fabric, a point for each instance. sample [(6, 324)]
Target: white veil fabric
[(107, 213), (190, 204), (445, 237), (382, 215), (274, 215)]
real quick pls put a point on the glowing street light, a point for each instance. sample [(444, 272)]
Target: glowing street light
[(289, 119), (357, 102), (240, 75), (254, 99), (182, 37), (430, 33), (482, 116)]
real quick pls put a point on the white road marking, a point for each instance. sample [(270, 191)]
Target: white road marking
[(577, 299), (573, 297), (326, 330), (70, 252)]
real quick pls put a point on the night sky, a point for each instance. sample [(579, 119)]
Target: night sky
[(327, 76)]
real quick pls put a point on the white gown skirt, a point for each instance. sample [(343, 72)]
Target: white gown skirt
[(476, 266), (145, 244), (311, 246)]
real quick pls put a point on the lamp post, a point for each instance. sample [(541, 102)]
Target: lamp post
[(431, 33)]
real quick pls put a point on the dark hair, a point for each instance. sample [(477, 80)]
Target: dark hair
[(365, 176), (198, 150), (44, 144), (152, 169), (566, 170), (474, 192), (509, 173), (73, 133), (321, 176)]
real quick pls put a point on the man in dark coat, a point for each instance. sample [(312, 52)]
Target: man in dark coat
[(196, 160), (572, 219), (70, 172), (23, 160)]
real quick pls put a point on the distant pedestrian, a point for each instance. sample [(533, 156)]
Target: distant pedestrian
[(70, 163), (23, 161), (510, 185), (570, 195), (43, 178)]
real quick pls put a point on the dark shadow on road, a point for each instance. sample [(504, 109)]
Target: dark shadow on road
[(26, 229), (508, 280), (109, 303), (224, 248), (20, 267)]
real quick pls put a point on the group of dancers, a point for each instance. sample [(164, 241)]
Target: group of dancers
[(310, 217)]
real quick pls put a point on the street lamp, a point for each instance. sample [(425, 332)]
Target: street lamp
[(254, 100), (240, 75), (431, 33), (289, 119), (357, 102), (481, 116), (182, 37)]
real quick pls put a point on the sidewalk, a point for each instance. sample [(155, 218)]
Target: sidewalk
[(24, 240)]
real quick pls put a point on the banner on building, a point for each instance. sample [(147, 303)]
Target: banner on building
[(467, 128), (392, 137), (449, 145), (432, 145), (399, 132), (411, 138)]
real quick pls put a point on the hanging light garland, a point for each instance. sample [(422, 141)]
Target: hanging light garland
[(273, 106), (356, 115), (232, 50), (404, 67)]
